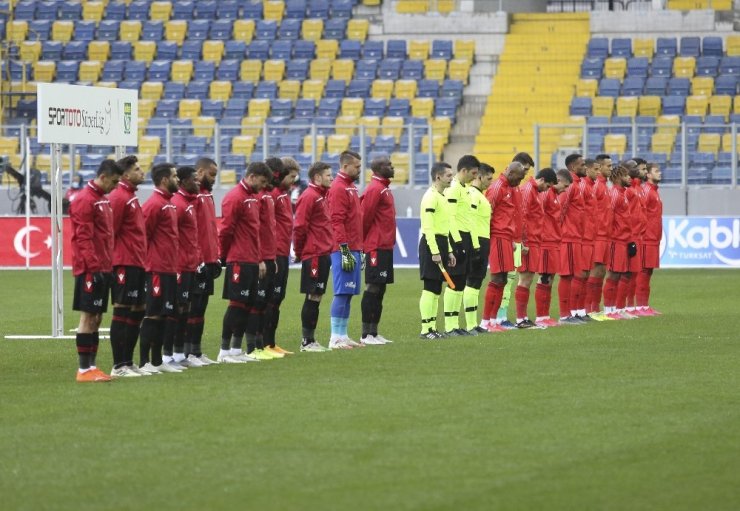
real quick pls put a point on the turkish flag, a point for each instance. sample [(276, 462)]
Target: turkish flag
[(14, 234)]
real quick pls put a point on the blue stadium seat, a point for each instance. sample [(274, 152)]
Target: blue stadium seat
[(305, 108), (197, 89), (52, 50), (84, 31), (662, 66), (666, 46), (335, 89), (290, 144), (191, 50), (580, 106), (329, 108), (726, 85), (234, 161), (252, 10), (715, 124), (25, 11), (729, 66), (236, 107), (598, 47), (295, 9), (221, 30), (242, 90), (198, 30), (135, 70), (452, 89), (359, 88), (183, 10), (266, 90), (389, 69), (91, 161), (712, 47), (113, 71), (350, 49), (621, 125), (366, 69), (235, 50), (679, 86), (341, 9), (690, 46), (282, 50), (375, 107), (335, 28), (674, 105), (428, 89), (108, 30), (227, 10), (152, 31), (396, 49), (167, 50), (138, 11), (441, 49), (115, 11), (120, 50), (656, 86), (204, 70), (228, 70), (372, 50), (297, 69), (384, 145), (304, 50), (66, 71), (621, 47), (75, 50), (195, 144), (159, 71), (638, 67), (399, 108), (412, 70), (591, 68), (259, 50), (707, 66), (318, 9), (445, 107), (266, 30), (281, 108), (609, 87), (290, 29), (37, 29), (205, 10), (633, 86), (597, 125), (70, 11), (174, 90)]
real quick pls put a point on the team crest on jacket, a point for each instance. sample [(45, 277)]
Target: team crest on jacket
[(235, 273), (121, 276)]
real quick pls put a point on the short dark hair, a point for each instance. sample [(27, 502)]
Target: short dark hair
[(524, 159), (258, 168), (468, 162), (204, 162), (161, 171), (548, 175), (640, 161), (601, 157), (589, 162), (317, 168), (439, 168), (108, 168), (572, 158), (486, 169), (184, 173), (348, 156), (631, 166), (617, 172), (128, 162), (290, 164), (565, 174), (378, 162), (652, 165), (275, 164)]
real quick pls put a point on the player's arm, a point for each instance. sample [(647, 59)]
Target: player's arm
[(428, 209), (369, 207), (226, 232), (452, 194), (118, 206), (527, 199), (300, 227), (473, 202), (338, 212), (84, 232)]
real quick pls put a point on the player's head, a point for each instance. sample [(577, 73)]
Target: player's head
[(441, 175), (564, 180), (604, 161), (515, 173), (382, 167), (525, 159), (206, 170), (319, 174), (642, 168), (350, 163), (654, 175), (131, 170), (632, 167), (574, 163), (188, 179), (258, 175), (467, 168), (485, 176), (164, 177), (108, 175), (620, 174), (592, 168), (290, 173), (545, 179), (276, 168)]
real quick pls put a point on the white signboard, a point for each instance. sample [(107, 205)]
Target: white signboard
[(75, 114)]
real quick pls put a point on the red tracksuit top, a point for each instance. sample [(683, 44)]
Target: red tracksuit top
[(92, 231), (637, 209), (283, 221), (312, 230), (653, 213), (188, 252), (129, 243), (532, 214), (267, 226), (551, 210), (378, 216), (503, 209), (238, 238), (160, 217), (602, 209), (345, 213), (621, 229), (589, 210), (572, 216), (205, 215)]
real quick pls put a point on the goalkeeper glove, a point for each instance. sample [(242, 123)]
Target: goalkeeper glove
[(348, 260)]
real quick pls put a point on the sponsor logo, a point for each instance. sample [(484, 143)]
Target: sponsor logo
[(127, 118), (133, 294), (320, 285), (97, 121), (261, 293), (696, 240), (121, 276), (350, 285), (168, 306), (244, 292), (384, 274), (278, 289), (98, 303)]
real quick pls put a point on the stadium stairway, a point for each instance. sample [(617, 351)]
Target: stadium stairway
[(535, 79)]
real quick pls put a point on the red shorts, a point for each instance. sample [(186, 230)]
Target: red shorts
[(636, 261), (549, 261), (530, 260), (570, 258), (501, 256), (650, 256), (601, 252), (587, 256), (618, 259)]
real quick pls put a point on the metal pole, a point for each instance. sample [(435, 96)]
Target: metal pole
[(26, 170), (430, 151), (585, 141), (684, 152), (412, 154), (537, 145), (634, 138), (734, 155), (120, 152), (314, 141), (57, 259), (217, 150), (363, 158), (168, 141), (265, 141)]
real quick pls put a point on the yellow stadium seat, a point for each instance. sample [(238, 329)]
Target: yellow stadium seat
[(353, 106), (405, 89), (371, 125), (337, 143), (259, 107), (720, 105), (392, 127), (736, 105), (570, 140), (668, 124), (160, 11), (327, 49), (243, 30), (145, 160), (175, 31), (30, 51), (43, 70), (459, 69), (727, 142), (146, 107), (252, 126), (9, 145), (213, 51), (422, 107), (382, 89), (702, 85), (683, 67), (90, 70), (251, 70), (62, 30), (129, 31), (149, 145), (587, 88), (18, 30), (442, 126), (273, 10), (182, 71), (220, 90), (733, 45), (602, 106), (111, 85), (465, 49), (228, 176), (289, 89), (203, 126), (345, 125), (145, 50), (92, 11), (400, 166), (412, 6), (313, 89), (343, 69), (243, 144), (357, 29), (435, 69), (274, 70), (615, 67), (320, 69), (627, 106), (98, 50), (445, 6), (418, 50), (709, 143), (662, 143), (615, 144), (312, 29), (308, 144), (650, 106), (189, 108), (438, 143), (697, 105), (577, 123), (643, 47)]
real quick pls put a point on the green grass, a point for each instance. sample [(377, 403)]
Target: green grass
[(632, 415)]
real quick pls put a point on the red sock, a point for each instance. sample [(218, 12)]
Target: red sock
[(542, 297), (592, 294), (624, 284), (496, 294), (643, 288), (522, 300), (564, 295), (631, 288), (610, 292), (488, 310), (576, 290)]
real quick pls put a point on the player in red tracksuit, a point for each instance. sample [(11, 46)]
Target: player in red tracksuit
[(602, 211), (239, 248), (379, 238), (92, 247), (619, 245), (312, 243), (590, 215), (651, 241), (160, 321), (129, 252), (639, 222)]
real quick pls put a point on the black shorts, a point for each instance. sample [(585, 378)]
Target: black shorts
[(265, 285), (315, 275), (463, 267), (428, 269), (185, 285), (280, 283), (91, 296), (240, 282), (480, 269), (203, 284), (127, 287), (161, 294), (379, 267)]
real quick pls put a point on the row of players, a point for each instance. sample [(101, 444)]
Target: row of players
[(569, 223), (159, 260)]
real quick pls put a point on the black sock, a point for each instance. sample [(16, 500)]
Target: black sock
[(270, 324), (309, 318), (195, 333), (118, 327), (170, 331), (369, 306), (227, 328), (152, 331), (132, 334), (84, 347), (96, 344), (180, 339), (252, 325)]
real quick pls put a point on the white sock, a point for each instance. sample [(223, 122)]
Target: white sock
[(582, 312), (541, 318), (166, 359), (519, 320), (81, 371), (178, 357), (223, 353), (235, 351), (484, 323)]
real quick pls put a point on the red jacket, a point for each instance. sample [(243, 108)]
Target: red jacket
[(589, 210), (551, 207), (572, 212), (160, 217), (620, 229), (188, 253), (283, 221), (653, 213), (602, 209), (532, 214), (378, 216), (267, 226), (238, 236), (312, 231), (638, 218), (129, 244), (205, 214), (92, 231), (503, 209), (345, 213)]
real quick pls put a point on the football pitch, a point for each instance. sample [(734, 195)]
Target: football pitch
[(641, 414)]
